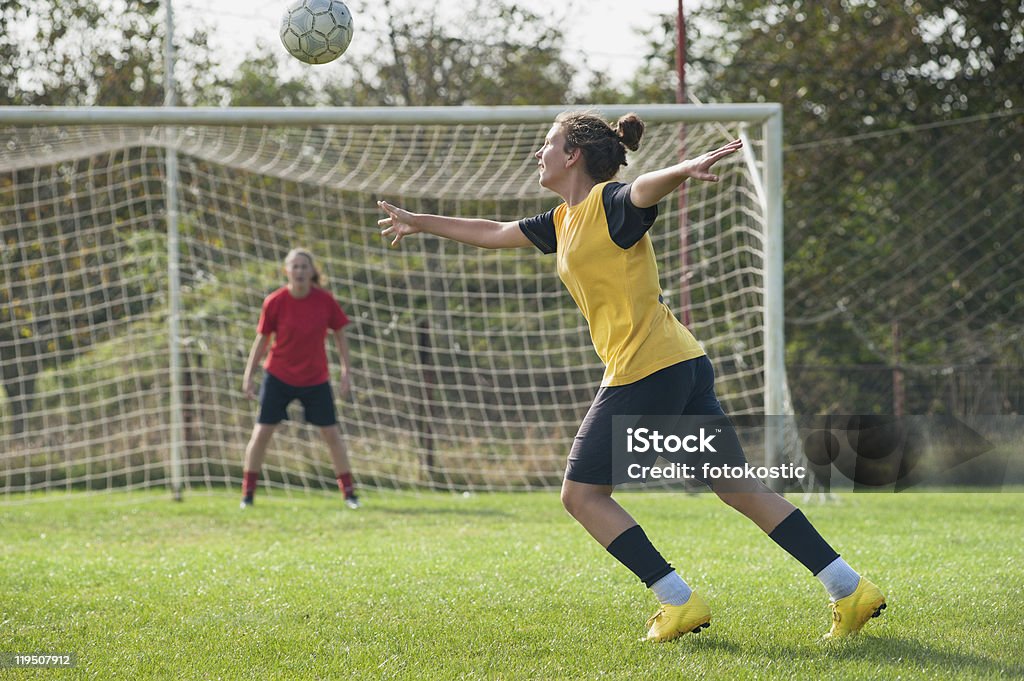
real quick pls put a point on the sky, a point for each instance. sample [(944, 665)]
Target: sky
[(595, 31)]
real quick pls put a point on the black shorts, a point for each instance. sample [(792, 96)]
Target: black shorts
[(683, 389), (276, 395)]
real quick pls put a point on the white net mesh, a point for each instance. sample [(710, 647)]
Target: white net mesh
[(472, 368)]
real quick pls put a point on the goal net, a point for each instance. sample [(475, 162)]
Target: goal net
[(138, 246)]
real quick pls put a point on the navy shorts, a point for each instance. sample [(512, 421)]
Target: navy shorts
[(683, 389), (276, 395)]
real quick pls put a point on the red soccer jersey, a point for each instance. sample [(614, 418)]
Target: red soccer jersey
[(300, 326)]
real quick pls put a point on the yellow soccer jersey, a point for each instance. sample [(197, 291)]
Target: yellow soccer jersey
[(606, 260)]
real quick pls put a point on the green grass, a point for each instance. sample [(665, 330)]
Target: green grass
[(505, 586)]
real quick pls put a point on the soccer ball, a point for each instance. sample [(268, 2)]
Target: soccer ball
[(316, 31)]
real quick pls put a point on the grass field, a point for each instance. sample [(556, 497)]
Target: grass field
[(504, 586)]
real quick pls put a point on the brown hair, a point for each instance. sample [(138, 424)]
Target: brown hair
[(312, 263), (603, 146)]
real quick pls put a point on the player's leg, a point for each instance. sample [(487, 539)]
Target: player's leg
[(854, 600), (339, 459), (755, 500), (787, 526), (682, 610), (586, 495), (274, 398), (318, 402), (593, 507), (255, 453)]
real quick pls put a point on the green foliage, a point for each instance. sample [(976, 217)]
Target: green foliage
[(497, 53), (256, 83), (893, 221), (67, 234), (82, 53), (493, 54)]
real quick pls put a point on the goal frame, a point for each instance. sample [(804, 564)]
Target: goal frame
[(769, 185)]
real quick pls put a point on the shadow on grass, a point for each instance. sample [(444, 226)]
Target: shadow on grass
[(895, 650), (712, 643), (897, 653)]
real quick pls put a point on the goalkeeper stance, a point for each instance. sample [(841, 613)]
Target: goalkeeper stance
[(653, 364), (298, 316)]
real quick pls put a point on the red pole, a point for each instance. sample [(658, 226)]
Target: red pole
[(684, 284)]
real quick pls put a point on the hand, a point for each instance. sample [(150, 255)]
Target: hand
[(699, 168), (397, 224), (345, 388), (248, 388)]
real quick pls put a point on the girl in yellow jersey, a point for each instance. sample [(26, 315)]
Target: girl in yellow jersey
[(654, 366)]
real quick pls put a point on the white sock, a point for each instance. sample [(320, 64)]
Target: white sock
[(840, 579), (671, 589)]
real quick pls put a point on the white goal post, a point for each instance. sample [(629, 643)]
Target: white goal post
[(138, 244)]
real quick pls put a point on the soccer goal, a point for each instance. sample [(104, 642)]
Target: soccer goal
[(139, 243)]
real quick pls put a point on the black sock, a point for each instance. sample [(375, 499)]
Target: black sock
[(633, 549), (796, 534)]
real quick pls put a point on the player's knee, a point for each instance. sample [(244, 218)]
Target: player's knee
[(573, 500), (741, 494), (568, 499), (732, 499), (576, 499), (261, 434)]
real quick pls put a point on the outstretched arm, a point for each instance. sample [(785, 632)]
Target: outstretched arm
[(400, 223), (652, 187)]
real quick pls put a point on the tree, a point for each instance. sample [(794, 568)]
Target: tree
[(256, 83), (880, 223), (78, 53), (497, 53), (493, 53)]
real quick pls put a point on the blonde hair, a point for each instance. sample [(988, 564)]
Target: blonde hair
[(295, 252)]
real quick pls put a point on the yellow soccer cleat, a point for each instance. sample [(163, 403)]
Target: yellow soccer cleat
[(850, 614), (672, 621)]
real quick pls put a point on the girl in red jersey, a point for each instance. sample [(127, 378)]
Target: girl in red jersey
[(654, 366), (299, 316)]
